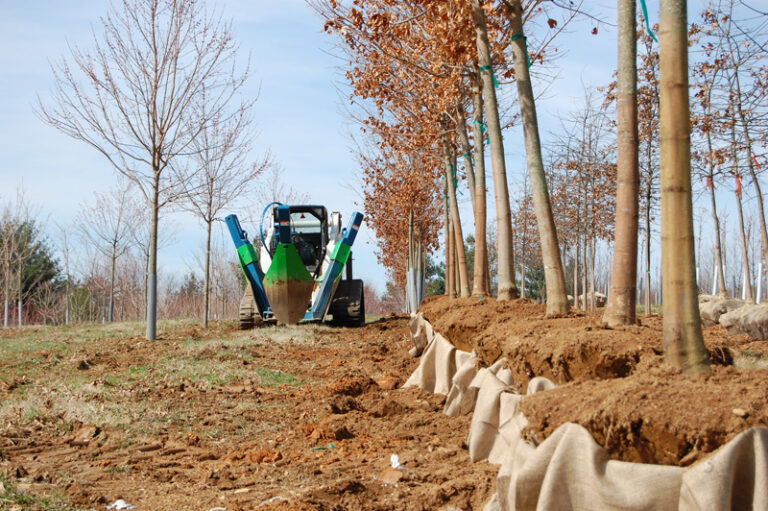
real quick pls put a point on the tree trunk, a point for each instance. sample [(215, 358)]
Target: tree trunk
[(583, 301), (592, 296), (450, 272), (682, 337), (207, 284), (20, 296), (461, 256), (747, 281), (621, 299), (718, 248), (648, 252), (576, 274), (752, 173), (507, 289), (456, 272), (448, 241), (113, 262), (461, 127), (481, 278), (557, 295), (152, 279)]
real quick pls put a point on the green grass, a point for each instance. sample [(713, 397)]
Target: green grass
[(14, 497), (655, 309), (748, 359), (41, 362), (270, 377)]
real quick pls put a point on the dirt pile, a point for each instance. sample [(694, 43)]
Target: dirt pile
[(614, 382), (659, 416)]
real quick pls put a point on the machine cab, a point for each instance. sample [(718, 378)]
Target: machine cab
[(309, 234)]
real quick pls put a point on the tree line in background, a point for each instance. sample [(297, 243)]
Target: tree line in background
[(429, 88), (97, 269)]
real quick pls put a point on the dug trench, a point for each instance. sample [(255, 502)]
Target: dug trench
[(615, 383)]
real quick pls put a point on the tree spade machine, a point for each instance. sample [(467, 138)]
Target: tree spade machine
[(296, 275)]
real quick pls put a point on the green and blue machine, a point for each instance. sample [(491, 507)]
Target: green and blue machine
[(297, 275)]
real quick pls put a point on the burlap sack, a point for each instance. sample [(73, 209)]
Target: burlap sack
[(421, 333), (711, 310), (749, 319), (467, 382), (569, 470)]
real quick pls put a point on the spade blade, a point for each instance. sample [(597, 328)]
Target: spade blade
[(288, 285)]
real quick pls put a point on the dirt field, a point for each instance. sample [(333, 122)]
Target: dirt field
[(302, 418), (307, 418)]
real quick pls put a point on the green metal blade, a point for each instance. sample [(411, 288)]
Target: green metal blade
[(288, 284)]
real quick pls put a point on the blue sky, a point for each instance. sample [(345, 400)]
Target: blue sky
[(298, 112)]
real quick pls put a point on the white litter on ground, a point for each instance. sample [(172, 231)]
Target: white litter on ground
[(120, 504)]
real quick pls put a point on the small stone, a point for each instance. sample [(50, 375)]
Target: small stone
[(389, 382), (391, 475), (740, 412), (85, 434)]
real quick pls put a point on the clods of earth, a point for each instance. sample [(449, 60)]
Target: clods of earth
[(276, 418), (614, 382)]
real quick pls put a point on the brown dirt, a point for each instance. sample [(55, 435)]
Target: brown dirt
[(570, 348), (659, 416), (614, 382), (322, 443)]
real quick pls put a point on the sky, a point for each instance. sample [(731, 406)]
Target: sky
[(299, 112)]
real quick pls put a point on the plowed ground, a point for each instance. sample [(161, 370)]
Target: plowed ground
[(302, 418)]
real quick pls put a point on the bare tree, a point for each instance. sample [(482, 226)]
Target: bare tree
[(557, 296), (65, 247), (507, 288), (621, 300), (130, 97), (682, 337), (222, 172), (107, 223)]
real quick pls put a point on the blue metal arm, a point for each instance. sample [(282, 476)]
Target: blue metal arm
[(250, 263), (332, 276)]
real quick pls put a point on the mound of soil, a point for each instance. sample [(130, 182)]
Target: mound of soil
[(614, 382), (568, 348), (660, 417)]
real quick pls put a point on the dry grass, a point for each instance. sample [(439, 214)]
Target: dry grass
[(54, 376)]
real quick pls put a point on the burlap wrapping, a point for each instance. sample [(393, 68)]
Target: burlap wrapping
[(569, 470), (711, 310), (421, 333), (438, 365), (749, 319)]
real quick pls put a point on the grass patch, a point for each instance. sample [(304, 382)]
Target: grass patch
[(748, 359), (270, 377), (118, 469), (655, 309), (13, 496)]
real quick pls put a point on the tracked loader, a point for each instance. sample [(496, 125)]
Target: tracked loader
[(302, 271)]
